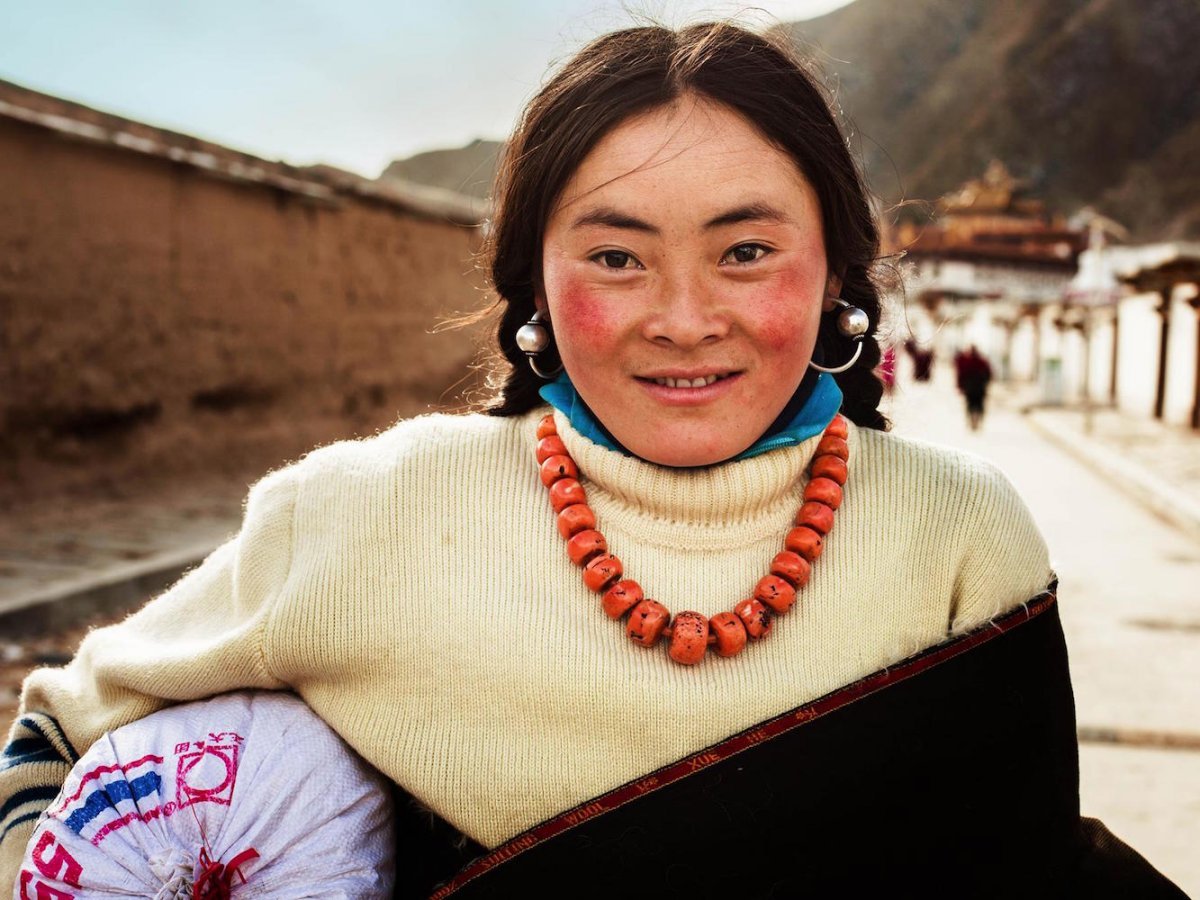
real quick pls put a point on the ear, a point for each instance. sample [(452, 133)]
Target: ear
[(833, 288)]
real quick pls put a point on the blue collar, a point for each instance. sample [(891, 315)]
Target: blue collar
[(810, 420)]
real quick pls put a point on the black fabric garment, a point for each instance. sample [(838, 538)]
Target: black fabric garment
[(953, 774)]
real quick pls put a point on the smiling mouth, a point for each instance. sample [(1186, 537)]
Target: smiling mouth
[(697, 382)]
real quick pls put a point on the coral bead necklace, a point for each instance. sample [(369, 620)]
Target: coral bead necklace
[(690, 634)]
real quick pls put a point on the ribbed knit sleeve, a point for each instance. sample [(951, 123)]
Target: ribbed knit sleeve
[(203, 636)]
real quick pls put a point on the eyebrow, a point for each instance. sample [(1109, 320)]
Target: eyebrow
[(608, 217), (750, 212)]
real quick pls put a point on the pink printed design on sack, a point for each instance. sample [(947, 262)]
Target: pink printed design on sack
[(208, 772)]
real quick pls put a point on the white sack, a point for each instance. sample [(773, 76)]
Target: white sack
[(251, 770)]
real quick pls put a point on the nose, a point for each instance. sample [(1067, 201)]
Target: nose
[(687, 313)]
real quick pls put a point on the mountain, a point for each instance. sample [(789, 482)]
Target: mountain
[(1091, 102), (467, 170)]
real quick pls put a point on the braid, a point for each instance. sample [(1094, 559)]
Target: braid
[(862, 389)]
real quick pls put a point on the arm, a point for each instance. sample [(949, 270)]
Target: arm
[(203, 636)]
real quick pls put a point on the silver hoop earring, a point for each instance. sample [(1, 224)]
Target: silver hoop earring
[(534, 337), (853, 324)]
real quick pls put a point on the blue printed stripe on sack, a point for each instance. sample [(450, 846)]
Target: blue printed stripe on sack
[(109, 796)]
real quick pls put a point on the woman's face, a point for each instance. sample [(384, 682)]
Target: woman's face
[(684, 271)]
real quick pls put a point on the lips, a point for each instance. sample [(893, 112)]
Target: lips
[(686, 381)]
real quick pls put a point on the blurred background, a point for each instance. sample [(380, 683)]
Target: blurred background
[(230, 232)]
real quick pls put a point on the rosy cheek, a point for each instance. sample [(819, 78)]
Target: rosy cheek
[(777, 332), (579, 308), (580, 315), (784, 310)]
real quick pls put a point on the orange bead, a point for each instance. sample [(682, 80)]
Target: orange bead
[(816, 516), (791, 567), (646, 622), (575, 518), (838, 427), (833, 446), (824, 490), (621, 598), (556, 467), (729, 632), (546, 426), (775, 593), (550, 445), (830, 467), (689, 638), (602, 571), (755, 617), (583, 546), (804, 541), (566, 492)]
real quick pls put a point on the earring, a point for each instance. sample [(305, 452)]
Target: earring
[(534, 337), (852, 323)]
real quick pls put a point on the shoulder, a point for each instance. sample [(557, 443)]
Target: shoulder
[(417, 459), (436, 440), (951, 474), (964, 512), (348, 496)]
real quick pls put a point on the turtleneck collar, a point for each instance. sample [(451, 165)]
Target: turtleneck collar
[(808, 412), (743, 497)]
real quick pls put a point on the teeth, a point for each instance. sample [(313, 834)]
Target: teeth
[(702, 381)]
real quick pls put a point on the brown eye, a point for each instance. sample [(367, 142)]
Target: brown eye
[(745, 253), (615, 259)]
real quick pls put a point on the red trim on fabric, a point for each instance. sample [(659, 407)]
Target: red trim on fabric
[(772, 728)]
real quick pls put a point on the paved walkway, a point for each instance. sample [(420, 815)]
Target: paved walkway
[(107, 545), (1157, 465)]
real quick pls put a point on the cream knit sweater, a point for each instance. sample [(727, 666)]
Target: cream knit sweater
[(414, 590)]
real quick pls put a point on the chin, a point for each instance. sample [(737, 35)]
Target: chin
[(686, 454)]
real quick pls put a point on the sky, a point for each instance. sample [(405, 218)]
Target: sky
[(352, 83)]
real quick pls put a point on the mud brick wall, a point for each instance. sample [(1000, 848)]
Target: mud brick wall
[(157, 318)]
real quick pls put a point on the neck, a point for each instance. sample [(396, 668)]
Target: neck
[(808, 411)]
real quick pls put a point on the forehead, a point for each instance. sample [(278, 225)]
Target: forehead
[(696, 152)]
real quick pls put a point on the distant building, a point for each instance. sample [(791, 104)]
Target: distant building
[(994, 256), (1155, 332), (1051, 301)]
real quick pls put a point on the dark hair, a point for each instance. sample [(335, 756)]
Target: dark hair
[(639, 69)]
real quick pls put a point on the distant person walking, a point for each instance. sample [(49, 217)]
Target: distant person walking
[(974, 373), (887, 369), (922, 359)]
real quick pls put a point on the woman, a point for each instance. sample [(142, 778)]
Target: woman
[(680, 226)]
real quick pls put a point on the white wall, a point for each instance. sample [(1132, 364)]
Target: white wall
[(1181, 363), (1101, 362), (1137, 361), (1022, 364)]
